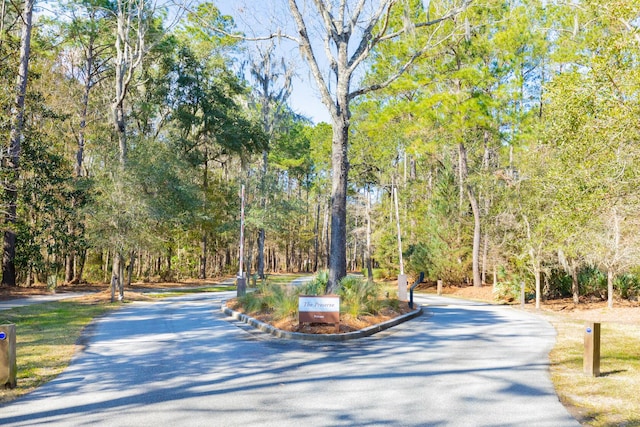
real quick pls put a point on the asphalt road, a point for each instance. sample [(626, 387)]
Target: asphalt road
[(178, 362)]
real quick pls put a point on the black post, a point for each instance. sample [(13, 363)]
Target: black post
[(420, 279)]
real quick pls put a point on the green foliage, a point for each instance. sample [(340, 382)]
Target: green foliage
[(279, 300), (438, 250), (317, 286), (628, 285), (253, 302), (49, 203), (593, 282), (558, 283), (383, 274), (508, 287), (359, 297)]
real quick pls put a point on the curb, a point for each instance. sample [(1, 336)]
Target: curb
[(279, 333)]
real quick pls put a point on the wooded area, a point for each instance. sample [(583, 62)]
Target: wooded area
[(510, 131)]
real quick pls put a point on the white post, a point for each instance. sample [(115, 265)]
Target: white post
[(402, 278), (241, 282)]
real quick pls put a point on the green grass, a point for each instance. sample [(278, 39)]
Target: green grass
[(46, 336), (612, 398), (177, 292), (282, 279)]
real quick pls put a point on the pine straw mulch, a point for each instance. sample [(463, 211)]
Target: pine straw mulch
[(98, 293), (347, 323), (590, 308)]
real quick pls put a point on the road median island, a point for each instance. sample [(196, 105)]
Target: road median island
[(279, 333)]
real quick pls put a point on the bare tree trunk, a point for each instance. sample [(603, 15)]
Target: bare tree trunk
[(132, 261), (610, 278), (203, 257), (347, 48), (115, 275), (316, 241), (477, 279), (249, 258), (327, 239), (261, 238), (81, 261), (368, 248), (12, 160), (105, 267), (536, 272), (120, 277), (340, 171), (485, 256), (575, 285), (354, 257), (68, 268)]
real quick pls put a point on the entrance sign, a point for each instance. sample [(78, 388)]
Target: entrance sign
[(319, 309)]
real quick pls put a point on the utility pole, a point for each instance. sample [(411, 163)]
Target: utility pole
[(241, 281), (402, 278)]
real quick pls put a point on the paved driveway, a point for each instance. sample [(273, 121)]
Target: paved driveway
[(179, 363)]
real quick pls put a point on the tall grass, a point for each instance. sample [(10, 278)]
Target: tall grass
[(358, 297)]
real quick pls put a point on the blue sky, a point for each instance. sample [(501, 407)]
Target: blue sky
[(260, 17)]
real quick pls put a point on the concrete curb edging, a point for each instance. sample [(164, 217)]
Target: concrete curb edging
[(279, 333)]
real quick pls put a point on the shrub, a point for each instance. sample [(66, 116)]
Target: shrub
[(359, 296), (628, 285), (317, 286), (253, 302), (382, 274), (593, 282), (282, 302)]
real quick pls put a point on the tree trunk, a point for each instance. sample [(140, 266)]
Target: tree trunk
[(575, 285), (248, 264), (78, 169), (368, 248), (485, 256), (132, 261), (536, 272), (68, 268), (203, 257), (316, 242), (261, 237), (477, 279), (327, 239), (340, 171), (81, 261), (120, 277), (610, 288), (115, 275), (12, 159)]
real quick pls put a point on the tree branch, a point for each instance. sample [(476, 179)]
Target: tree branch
[(400, 71), (453, 12), (307, 50), (366, 43), (631, 29)]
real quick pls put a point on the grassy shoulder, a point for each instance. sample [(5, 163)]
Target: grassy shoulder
[(46, 339), (610, 399), (49, 334)]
